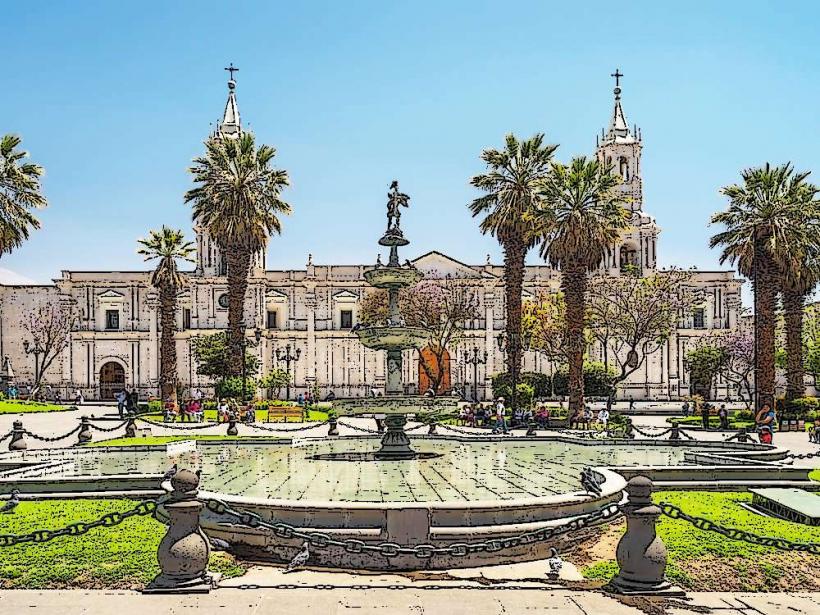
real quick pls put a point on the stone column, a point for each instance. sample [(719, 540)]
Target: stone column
[(153, 337), (310, 355), (489, 339)]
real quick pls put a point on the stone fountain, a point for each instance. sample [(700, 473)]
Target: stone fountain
[(394, 336)]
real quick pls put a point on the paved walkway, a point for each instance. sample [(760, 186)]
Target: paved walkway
[(388, 601)]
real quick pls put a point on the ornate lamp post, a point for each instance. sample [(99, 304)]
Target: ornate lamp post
[(475, 360), (286, 356), (36, 349)]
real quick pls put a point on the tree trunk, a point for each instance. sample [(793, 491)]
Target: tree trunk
[(765, 291), (239, 262), (167, 345), (574, 286), (793, 317), (514, 254)]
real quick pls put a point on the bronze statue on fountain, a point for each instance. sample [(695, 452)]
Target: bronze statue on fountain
[(394, 336)]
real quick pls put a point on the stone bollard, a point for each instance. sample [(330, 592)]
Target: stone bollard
[(531, 428), (232, 430), (184, 550), (641, 554), (131, 426), (674, 432), (332, 426), (431, 429), (18, 439), (85, 431)]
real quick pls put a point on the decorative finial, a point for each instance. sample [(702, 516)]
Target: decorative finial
[(617, 74), (310, 260), (231, 69), (488, 259)]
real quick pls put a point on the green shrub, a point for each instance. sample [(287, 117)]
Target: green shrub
[(232, 387), (597, 380), (800, 408), (744, 415), (540, 383)]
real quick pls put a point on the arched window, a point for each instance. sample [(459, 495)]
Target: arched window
[(623, 168)]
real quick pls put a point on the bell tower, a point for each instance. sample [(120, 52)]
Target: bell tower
[(619, 149), (210, 261)]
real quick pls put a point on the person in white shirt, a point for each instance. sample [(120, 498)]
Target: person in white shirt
[(500, 417), (603, 417)]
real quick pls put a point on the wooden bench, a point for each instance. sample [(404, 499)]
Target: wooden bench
[(284, 413)]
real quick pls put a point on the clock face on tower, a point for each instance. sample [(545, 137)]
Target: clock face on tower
[(223, 300)]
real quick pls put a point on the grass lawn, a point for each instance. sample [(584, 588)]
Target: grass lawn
[(123, 556), (19, 407), (714, 422), (706, 561), (154, 440)]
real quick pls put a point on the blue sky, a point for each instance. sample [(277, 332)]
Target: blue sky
[(115, 98)]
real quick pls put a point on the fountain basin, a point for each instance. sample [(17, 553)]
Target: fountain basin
[(393, 277), (393, 338)]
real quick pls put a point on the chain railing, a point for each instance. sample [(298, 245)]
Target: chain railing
[(322, 540), (673, 512), (794, 456), (360, 429), (285, 429), (52, 439), (647, 434), (466, 432), (178, 426), (109, 429), (112, 519)]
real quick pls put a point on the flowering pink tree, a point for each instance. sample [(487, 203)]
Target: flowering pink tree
[(730, 355), (49, 327)]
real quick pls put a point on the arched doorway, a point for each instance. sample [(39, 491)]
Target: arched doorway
[(431, 362), (112, 379)]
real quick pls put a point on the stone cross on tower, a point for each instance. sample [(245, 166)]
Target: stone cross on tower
[(231, 69), (617, 74)]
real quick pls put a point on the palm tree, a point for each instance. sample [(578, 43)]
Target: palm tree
[(582, 214), (167, 245), (801, 274), (19, 193), (765, 217), (237, 200), (512, 182)]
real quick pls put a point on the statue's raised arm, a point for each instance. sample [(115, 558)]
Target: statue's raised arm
[(395, 201)]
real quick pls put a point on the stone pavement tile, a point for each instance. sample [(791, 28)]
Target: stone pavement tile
[(781, 603)]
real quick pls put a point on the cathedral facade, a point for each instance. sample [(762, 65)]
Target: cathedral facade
[(115, 341)]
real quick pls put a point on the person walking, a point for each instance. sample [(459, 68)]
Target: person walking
[(120, 397), (500, 417), (704, 416)]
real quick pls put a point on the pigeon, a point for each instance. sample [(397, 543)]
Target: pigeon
[(300, 559), (217, 544), (170, 473), (12, 503), (555, 563)]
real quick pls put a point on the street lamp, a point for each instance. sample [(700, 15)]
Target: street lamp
[(287, 357), (475, 360), (36, 350), (257, 334)]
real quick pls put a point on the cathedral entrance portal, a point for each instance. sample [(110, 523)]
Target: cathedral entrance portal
[(112, 379)]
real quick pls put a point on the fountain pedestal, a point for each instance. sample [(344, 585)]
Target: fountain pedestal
[(395, 443)]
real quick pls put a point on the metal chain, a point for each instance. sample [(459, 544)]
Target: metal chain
[(685, 434), (794, 455), (419, 426), (78, 529), (321, 540), (280, 429), (109, 429), (180, 426), (651, 435), (361, 429), (55, 439), (465, 431), (674, 512)]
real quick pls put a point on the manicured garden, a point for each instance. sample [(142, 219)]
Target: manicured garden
[(696, 422), (123, 556), (16, 406), (706, 561)]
